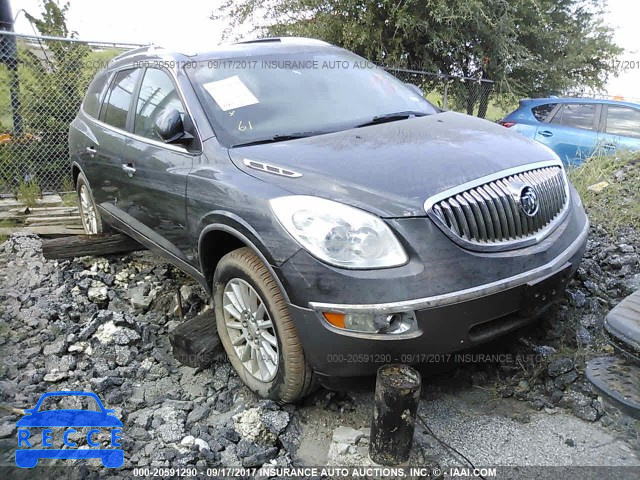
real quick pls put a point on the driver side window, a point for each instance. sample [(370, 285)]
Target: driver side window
[(157, 94)]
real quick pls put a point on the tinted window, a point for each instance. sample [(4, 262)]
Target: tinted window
[(157, 94), (623, 121), (91, 103), (541, 112), (577, 115), (117, 103)]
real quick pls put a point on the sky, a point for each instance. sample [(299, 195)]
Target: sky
[(187, 23)]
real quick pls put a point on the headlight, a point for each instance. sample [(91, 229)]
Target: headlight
[(338, 234)]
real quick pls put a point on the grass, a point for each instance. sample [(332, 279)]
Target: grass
[(617, 204), (29, 192), (68, 195)]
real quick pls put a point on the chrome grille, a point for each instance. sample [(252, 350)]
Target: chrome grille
[(490, 213)]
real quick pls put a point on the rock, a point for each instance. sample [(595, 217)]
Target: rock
[(140, 301), (523, 387), (583, 337), (347, 435), (275, 421), (560, 366), (260, 458), (598, 187), (581, 406), (7, 430), (188, 440), (98, 292), (110, 334), (577, 298), (566, 378), (201, 444), (249, 426), (55, 377), (55, 348)]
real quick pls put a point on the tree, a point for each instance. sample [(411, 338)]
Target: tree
[(529, 47), (54, 81)]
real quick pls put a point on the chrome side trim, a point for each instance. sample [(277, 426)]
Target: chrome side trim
[(503, 245), (462, 295), (270, 168)]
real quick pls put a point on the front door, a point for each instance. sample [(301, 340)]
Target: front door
[(157, 171)]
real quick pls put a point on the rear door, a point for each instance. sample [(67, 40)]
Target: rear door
[(620, 129), (155, 196), (109, 179), (572, 132)]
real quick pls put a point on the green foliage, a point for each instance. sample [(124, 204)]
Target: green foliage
[(530, 48), (53, 77), (617, 202), (28, 193)]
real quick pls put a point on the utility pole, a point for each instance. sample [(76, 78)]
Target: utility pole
[(9, 56)]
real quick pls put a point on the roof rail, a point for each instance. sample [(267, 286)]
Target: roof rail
[(282, 40)]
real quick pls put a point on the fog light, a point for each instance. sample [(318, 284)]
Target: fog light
[(370, 322)]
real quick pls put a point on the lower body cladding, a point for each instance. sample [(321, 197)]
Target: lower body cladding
[(431, 326)]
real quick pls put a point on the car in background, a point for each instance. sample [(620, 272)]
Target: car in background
[(576, 128)]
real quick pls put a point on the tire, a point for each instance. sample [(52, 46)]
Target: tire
[(91, 220), (289, 380)]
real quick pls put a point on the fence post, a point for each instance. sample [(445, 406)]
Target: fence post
[(444, 96)]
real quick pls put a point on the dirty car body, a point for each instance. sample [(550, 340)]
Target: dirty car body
[(391, 233)]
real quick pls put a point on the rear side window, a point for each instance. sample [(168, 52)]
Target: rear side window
[(157, 94), (577, 115), (542, 112), (623, 121), (91, 103), (116, 105)]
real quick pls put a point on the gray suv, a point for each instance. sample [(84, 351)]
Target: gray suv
[(338, 219)]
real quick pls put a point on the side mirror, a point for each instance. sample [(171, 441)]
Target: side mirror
[(415, 89), (170, 128)]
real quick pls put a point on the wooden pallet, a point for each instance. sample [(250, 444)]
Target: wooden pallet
[(49, 218)]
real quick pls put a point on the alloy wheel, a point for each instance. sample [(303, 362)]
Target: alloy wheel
[(87, 211), (250, 329)]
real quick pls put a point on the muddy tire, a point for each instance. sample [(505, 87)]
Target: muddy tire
[(91, 220), (256, 329)]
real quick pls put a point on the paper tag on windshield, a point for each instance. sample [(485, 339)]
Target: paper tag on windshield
[(230, 93)]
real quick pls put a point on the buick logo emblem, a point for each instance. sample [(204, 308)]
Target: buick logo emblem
[(528, 201)]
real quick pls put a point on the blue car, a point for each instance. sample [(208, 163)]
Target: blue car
[(576, 128), (103, 418)]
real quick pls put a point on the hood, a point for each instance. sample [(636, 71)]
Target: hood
[(392, 168)]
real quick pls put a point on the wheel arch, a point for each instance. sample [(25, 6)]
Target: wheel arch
[(222, 237)]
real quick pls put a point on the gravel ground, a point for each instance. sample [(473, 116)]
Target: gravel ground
[(101, 325)]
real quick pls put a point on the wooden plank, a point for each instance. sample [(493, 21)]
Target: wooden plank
[(45, 231), (68, 220), (47, 200), (195, 343), (95, 245)]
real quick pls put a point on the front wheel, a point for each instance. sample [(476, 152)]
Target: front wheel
[(256, 329)]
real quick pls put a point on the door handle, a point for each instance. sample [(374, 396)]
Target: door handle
[(546, 133), (128, 169), (91, 150)]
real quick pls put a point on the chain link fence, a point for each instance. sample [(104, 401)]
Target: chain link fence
[(43, 80), (42, 83), (450, 92)]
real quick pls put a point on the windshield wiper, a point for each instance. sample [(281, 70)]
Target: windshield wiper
[(281, 138), (392, 117)]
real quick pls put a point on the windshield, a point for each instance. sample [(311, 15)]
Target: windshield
[(262, 98)]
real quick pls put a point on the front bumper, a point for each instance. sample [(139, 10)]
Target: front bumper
[(445, 322)]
